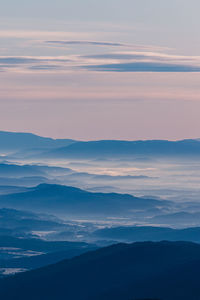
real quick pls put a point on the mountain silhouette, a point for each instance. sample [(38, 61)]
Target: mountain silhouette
[(147, 233), (12, 141), (65, 199), (125, 149), (164, 270)]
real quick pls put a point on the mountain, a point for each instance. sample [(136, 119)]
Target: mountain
[(22, 223), (25, 254), (18, 223), (125, 149), (147, 233), (164, 270), (39, 245), (178, 218), (13, 171), (19, 171), (73, 201), (30, 175), (10, 189), (13, 141), (31, 145), (41, 260), (22, 182)]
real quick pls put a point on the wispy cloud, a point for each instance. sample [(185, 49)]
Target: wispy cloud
[(45, 67), (42, 34), (143, 67), (33, 63), (111, 61), (143, 55), (142, 61), (136, 47), (86, 43), (26, 60)]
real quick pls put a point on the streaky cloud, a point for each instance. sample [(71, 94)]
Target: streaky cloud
[(86, 43), (143, 67), (144, 56), (45, 67), (27, 60)]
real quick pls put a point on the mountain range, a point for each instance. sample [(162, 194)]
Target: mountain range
[(73, 201), (32, 145), (146, 233), (13, 141), (126, 149), (164, 270), (24, 223), (55, 214), (25, 254)]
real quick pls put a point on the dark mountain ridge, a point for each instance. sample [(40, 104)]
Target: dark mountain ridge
[(165, 270), (38, 146), (70, 200), (13, 141), (23, 222), (14, 170), (147, 233), (115, 148), (40, 245)]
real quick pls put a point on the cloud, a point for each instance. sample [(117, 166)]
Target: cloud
[(28, 60), (142, 55), (86, 43), (16, 60), (41, 34), (33, 63), (121, 61), (141, 61), (136, 47), (45, 67), (118, 56), (143, 67)]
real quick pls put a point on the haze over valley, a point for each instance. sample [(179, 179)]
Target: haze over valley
[(54, 207)]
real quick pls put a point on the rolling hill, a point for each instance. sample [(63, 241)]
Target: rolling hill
[(165, 270), (14, 141), (126, 149), (147, 233), (69, 200)]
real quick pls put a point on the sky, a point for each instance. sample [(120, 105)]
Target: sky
[(108, 69)]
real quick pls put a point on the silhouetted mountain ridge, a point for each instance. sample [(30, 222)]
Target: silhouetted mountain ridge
[(165, 270), (21, 222), (40, 245), (13, 141), (60, 199), (147, 233), (115, 148), (14, 170)]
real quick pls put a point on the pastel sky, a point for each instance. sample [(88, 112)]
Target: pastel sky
[(109, 69)]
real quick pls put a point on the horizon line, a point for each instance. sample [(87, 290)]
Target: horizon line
[(98, 140)]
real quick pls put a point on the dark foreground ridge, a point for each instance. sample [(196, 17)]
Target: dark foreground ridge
[(164, 270)]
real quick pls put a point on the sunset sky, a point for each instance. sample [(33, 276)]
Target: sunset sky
[(88, 69)]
